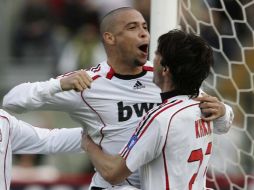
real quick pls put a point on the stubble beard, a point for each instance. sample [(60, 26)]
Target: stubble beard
[(138, 63)]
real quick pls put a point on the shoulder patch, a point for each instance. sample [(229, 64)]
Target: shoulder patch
[(132, 141)]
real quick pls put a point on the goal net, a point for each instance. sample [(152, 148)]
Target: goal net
[(228, 26)]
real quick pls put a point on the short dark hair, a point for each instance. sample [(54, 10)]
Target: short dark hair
[(189, 58), (107, 21)]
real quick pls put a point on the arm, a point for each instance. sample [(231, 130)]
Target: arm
[(213, 109), (47, 95), (137, 152), (111, 167), (27, 139)]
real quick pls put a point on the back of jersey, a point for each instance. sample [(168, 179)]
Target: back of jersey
[(188, 147)]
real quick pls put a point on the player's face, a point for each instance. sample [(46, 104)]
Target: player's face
[(158, 69), (132, 37)]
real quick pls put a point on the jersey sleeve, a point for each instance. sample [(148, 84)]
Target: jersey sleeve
[(46, 95), (145, 145), (27, 139), (223, 124)]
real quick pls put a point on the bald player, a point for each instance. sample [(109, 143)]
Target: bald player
[(122, 90)]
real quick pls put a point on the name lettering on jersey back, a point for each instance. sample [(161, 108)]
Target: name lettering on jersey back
[(202, 128), (125, 112)]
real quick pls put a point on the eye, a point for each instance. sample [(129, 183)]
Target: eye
[(132, 27)]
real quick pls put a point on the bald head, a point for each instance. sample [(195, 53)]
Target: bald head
[(108, 21)]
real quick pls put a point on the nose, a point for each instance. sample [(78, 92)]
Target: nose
[(144, 33)]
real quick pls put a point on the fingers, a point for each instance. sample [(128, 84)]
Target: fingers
[(85, 78), (211, 107), (78, 81), (207, 98), (81, 81), (209, 114)]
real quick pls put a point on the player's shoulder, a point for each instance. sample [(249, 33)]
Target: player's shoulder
[(100, 70), (177, 103)]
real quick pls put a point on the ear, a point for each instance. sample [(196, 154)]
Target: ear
[(109, 38), (166, 71)]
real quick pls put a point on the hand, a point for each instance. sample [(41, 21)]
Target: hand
[(77, 81), (87, 143), (211, 107)]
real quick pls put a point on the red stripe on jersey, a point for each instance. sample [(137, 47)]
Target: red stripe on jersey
[(165, 169), (209, 148), (104, 125), (95, 77), (164, 147), (141, 123), (5, 154), (147, 68), (147, 123), (110, 74)]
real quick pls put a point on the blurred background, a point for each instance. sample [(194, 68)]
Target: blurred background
[(41, 39)]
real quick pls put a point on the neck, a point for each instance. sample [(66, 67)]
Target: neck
[(167, 87), (124, 68)]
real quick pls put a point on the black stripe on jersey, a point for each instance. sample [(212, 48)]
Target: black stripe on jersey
[(150, 113), (96, 69), (129, 77), (144, 124)]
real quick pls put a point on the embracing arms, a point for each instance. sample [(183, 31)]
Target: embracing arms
[(48, 95)]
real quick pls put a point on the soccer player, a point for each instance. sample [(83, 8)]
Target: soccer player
[(18, 137), (172, 144), (122, 90)]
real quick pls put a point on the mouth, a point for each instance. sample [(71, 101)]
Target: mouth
[(143, 48)]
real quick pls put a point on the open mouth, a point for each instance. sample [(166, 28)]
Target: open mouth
[(144, 48)]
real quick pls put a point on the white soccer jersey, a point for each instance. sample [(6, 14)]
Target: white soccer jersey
[(18, 137), (109, 111), (172, 145)]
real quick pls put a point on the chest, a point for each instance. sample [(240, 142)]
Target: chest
[(117, 101)]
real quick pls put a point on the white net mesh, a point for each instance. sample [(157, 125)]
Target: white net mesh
[(228, 26)]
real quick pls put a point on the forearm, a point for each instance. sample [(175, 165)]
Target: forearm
[(112, 168), (27, 139)]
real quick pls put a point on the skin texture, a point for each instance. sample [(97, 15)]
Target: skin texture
[(113, 169), (123, 43)]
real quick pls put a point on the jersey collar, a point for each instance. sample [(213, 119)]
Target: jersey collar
[(166, 95), (112, 73)]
